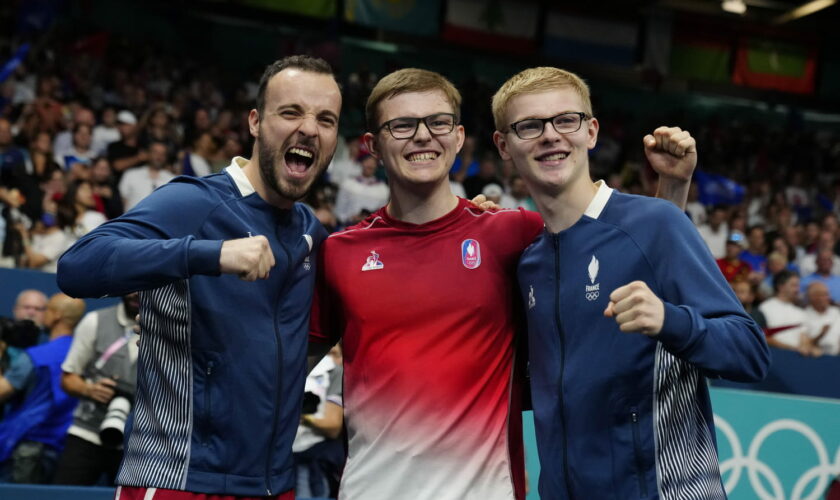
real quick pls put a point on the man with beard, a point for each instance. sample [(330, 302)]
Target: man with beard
[(222, 362)]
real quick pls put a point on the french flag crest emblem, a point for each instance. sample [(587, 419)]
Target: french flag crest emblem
[(470, 254)]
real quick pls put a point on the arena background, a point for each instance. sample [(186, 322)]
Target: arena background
[(683, 61)]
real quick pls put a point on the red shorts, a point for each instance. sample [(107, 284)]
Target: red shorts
[(134, 493)]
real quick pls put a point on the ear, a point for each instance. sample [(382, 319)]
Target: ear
[(501, 144), (461, 135), (369, 140), (254, 122), (592, 131)]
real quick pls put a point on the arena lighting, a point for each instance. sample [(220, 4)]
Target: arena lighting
[(804, 10), (734, 6)]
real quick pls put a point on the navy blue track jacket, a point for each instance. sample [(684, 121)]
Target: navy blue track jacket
[(222, 361), (624, 415)]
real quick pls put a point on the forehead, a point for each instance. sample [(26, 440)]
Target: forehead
[(311, 91), (543, 104), (414, 104)]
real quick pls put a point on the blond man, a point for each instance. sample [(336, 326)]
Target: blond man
[(627, 311)]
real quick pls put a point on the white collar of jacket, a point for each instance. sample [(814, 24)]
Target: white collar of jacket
[(596, 206), (234, 170)]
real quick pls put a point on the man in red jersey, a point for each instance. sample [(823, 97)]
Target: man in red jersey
[(422, 293)]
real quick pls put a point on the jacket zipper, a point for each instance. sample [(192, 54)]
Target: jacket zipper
[(637, 447), (279, 390), (207, 409), (562, 363)]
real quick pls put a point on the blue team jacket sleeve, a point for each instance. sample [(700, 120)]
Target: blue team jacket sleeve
[(705, 323), (152, 245)]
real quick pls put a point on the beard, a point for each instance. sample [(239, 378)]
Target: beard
[(290, 189)]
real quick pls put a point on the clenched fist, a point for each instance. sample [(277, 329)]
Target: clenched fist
[(249, 258), (636, 309), (671, 152)]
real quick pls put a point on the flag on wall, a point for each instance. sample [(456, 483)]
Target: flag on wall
[(498, 25), (573, 38), (419, 17), (775, 65), (714, 189), (701, 57)]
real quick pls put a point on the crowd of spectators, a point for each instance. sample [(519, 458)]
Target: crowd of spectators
[(85, 137)]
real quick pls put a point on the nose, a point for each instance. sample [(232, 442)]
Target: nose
[(309, 125), (550, 134), (422, 134)]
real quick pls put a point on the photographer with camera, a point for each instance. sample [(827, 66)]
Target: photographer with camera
[(100, 370), (32, 432)]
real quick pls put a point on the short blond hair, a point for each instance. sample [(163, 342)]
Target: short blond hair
[(409, 80), (540, 79)]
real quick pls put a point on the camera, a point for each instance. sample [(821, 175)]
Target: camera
[(113, 425), (310, 403), (20, 333)]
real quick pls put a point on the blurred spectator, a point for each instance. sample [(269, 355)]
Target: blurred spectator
[(77, 211), (824, 274), (362, 193), (346, 161), (126, 153), (64, 140), (197, 160), (733, 268), (102, 362), (488, 173), (745, 292), (696, 210), (157, 126), (32, 305), (823, 318), (716, 231), (755, 253), (825, 241), (105, 188), (106, 132), (319, 454), (139, 182), (495, 193), (81, 151), (466, 163), (520, 195), (32, 433), (776, 263), (787, 326)]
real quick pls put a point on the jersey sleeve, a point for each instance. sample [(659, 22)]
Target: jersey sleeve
[(705, 323), (152, 245), (325, 320)]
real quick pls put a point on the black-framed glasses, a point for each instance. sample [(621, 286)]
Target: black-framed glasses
[(564, 123), (406, 126)]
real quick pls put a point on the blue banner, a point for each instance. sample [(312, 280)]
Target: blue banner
[(14, 62), (716, 189)]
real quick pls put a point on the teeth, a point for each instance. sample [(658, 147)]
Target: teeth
[(301, 152), (556, 156), (422, 156)]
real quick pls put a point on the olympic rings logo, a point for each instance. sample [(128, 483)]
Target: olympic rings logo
[(590, 296), (824, 471)]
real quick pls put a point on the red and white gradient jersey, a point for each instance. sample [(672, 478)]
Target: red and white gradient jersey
[(426, 313)]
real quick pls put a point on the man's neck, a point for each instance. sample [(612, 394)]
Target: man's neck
[(60, 330), (421, 204), (562, 209)]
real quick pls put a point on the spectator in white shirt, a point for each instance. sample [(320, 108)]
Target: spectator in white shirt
[(139, 182), (823, 318), (715, 231), (787, 324), (361, 195)]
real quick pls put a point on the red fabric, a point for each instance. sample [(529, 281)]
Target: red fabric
[(134, 493), (428, 335), (733, 272)]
